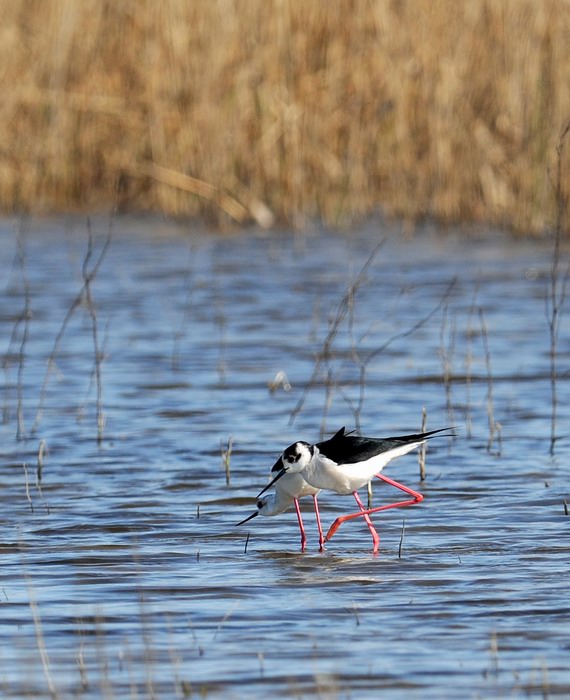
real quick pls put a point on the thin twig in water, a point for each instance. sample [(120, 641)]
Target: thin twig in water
[(402, 539), (446, 350), (93, 374), (329, 386), (225, 618), (544, 680), (25, 316), (363, 363), (7, 355), (494, 652), (94, 329), (148, 656), (59, 337), (221, 323), (555, 301), (398, 336), (346, 308), (28, 496), (39, 471), (226, 457), (41, 452), (468, 365), (81, 665), (341, 313), (494, 426), (179, 333), (423, 447), (355, 611), (40, 641)]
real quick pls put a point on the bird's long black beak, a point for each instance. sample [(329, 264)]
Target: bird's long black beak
[(280, 473), (249, 517)]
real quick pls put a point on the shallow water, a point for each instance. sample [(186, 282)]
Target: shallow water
[(122, 572)]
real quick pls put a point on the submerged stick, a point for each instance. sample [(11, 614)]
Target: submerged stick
[(494, 653), (226, 457), (398, 336), (355, 611), (345, 311), (446, 354), (40, 466), (27, 483), (40, 470), (555, 302), (329, 390), (468, 365), (179, 332), (40, 641), (494, 427), (402, 539), (423, 447), (342, 311), (77, 301), (94, 332), (25, 317)]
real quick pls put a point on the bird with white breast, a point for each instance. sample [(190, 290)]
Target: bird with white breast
[(288, 490), (345, 463)]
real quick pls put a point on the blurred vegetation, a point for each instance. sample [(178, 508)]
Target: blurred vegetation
[(283, 110)]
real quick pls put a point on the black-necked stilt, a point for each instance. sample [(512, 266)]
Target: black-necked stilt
[(288, 490), (345, 463)]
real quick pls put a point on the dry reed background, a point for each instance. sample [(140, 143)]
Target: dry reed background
[(281, 110)]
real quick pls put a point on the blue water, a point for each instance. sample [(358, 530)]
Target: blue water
[(122, 572)]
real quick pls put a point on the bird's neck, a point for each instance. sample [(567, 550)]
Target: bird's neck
[(278, 504), (316, 459)]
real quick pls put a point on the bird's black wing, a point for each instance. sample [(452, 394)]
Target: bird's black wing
[(351, 449), (348, 449)]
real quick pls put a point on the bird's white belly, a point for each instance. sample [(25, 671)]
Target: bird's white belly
[(323, 473)]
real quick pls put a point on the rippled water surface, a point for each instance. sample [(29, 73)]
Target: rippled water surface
[(122, 572)]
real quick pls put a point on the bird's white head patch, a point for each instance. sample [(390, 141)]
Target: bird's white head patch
[(297, 456)]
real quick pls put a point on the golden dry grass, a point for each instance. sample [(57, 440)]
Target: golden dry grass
[(286, 109)]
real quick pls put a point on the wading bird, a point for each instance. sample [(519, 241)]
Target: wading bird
[(345, 463), (288, 490)]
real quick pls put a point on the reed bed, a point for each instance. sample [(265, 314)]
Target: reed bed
[(284, 111)]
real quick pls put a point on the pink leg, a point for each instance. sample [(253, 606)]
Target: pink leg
[(319, 526), (300, 519), (417, 498), (364, 514)]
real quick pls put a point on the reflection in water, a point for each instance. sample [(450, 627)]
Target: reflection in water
[(122, 571)]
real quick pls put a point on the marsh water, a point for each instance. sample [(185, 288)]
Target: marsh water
[(123, 574)]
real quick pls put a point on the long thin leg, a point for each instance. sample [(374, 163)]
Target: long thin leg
[(364, 514), (319, 526), (417, 498), (300, 519)]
